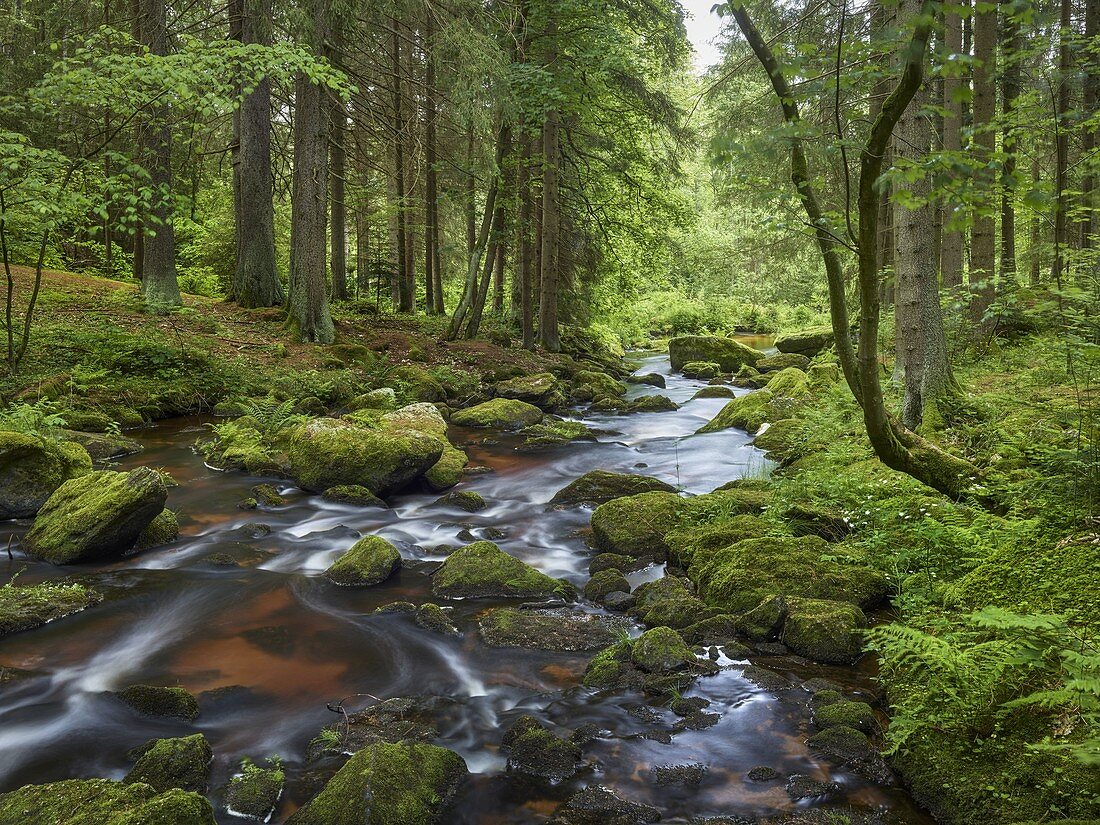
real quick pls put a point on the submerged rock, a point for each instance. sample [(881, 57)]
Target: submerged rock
[(636, 525), (597, 805), (369, 561), (182, 763), (483, 570), (388, 784), (850, 747), (549, 629), (434, 618), (500, 414), (96, 515), (535, 751), (254, 792), (728, 354), (405, 718), (174, 702), (31, 469), (598, 486), (800, 787), (102, 802), (554, 432), (25, 608)]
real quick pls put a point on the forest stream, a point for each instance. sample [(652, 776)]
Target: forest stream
[(271, 648)]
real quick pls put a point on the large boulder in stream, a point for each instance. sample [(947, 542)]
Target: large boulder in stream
[(388, 784), (32, 468), (328, 452), (636, 525), (535, 751), (483, 570), (808, 342), (728, 354), (102, 801), (500, 414), (746, 412), (782, 361), (371, 560), (96, 515), (599, 486), (164, 764), (542, 390), (550, 629)]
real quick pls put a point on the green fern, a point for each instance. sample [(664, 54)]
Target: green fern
[(40, 419)]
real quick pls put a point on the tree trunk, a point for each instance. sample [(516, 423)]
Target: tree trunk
[(951, 245), (1061, 142), (158, 285), (1010, 91), (433, 281), (338, 230), (1090, 102), (525, 274), (551, 228), (309, 310), (1033, 248), (983, 240), (255, 278), (496, 234), (405, 302)]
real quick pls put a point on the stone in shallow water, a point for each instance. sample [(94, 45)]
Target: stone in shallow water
[(172, 702), (369, 561), (254, 793), (553, 629), (597, 805), (535, 751), (164, 764), (599, 486), (95, 801), (800, 787), (24, 608), (482, 570)]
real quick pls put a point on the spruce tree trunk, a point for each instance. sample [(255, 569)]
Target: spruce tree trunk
[(255, 278), (309, 314), (1035, 259), (158, 280), (1061, 142), (951, 245), (1090, 102), (551, 227), (525, 274), (405, 302), (1010, 91), (338, 229), (983, 239)]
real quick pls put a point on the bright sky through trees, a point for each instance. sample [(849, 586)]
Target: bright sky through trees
[(703, 27)]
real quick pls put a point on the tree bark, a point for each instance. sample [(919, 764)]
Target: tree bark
[(1010, 91), (433, 279), (983, 239), (550, 275), (526, 264), (1090, 102), (338, 230), (951, 245), (405, 301), (158, 284), (308, 305), (1061, 141)]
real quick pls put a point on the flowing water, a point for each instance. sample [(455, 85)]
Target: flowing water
[(268, 643)]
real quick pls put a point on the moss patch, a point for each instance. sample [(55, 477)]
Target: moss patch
[(500, 414), (635, 525), (24, 608), (31, 469), (160, 701), (371, 560), (482, 570), (102, 802), (182, 763)]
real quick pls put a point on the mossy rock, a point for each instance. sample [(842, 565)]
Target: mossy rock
[(330, 453), (534, 751), (689, 540), (850, 747), (636, 525), (353, 494), (96, 515), (182, 763), (171, 702), (421, 418), (764, 621), (782, 361), (607, 667), (599, 486), (782, 441), (466, 500), (254, 792), (419, 384), (388, 784), (747, 412), (25, 608), (383, 398), (268, 495), (650, 404), (446, 472), (104, 446), (590, 385), (715, 391), (554, 432), (32, 469), (483, 570), (739, 577), (791, 383), (669, 601), (597, 805), (858, 715), (661, 650), (500, 414), (653, 379), (549, 629), (434, 618), (808, 342), (163, 529), (749, 378), (609, 561), (102, 802), (541, 390), (369, 561), (823, 630), (728, 354), (604, 582), (822, 375), (701, 370), (805, 519)]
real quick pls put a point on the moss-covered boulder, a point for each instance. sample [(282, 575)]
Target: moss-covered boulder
[(328, 452), (419, 383), (669, 601), (500, 414), (605, 582), (369, 561), (765, 621), (715, 391), (823, 630), (649, 404), (388, 784), (783, 441), (782, 361), (25, 608), (749, 378), (728, 354), (96, 515), (589, 385), (446, 472), (597, 805), (182, 763), (661, 650), (542, 390), (31, 469), (653, 379), (701, 370), (808, 342), (352, 494), (163, 529), (254, 792), (383, 398), (636, 525), (103, 446), (614, 561), (858, 715), (549, 629), (740, 576), (172, 702), (102, 802), (421, 417), (483, 570), (554, 432), (599, 486), (851, 748), (435, 619), (747, 412), (790, 383), (466, 500), (534, 751)]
